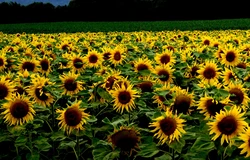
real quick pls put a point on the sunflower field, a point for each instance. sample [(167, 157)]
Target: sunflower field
[(159, 95)]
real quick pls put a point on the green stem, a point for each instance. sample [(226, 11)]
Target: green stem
[(173, 153), (78, 147)]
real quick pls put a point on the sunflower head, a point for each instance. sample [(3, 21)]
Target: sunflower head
[(143, 64), (127, 139), (93, 59), (245, 146), (230, 55), (165, 73), (166, 57)]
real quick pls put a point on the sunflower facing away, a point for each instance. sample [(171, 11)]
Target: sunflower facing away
[(245, 146), (124, 98), (36, 90), (70, 84), (127, 139), (209, 74), (93, 59), (18, 110), (227, 124), (72, 118), (168, 127)]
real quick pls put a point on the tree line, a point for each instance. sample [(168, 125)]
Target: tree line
[(122, 10)]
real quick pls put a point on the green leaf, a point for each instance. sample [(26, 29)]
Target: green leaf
[(21, 141), (66, 145), (59, 136), (41, 143), (33, 156), (148, 148), (164, 157), (178, 145), (104, 94), (105, 153)]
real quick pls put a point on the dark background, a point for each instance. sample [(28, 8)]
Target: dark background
[(123, 10)]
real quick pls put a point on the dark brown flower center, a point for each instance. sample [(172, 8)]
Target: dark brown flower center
[(171, 48), (3, 91), (117, 56), (141, 67), (73, 116), (164, 75), (29, 66), (44, 64), (77, 63), (1, 62), (209, 73), (110, 82), (194, 70), (106, 55), (19, 109), (213, 108), (124, 97), (168, 126), (230, 56), (42, 97), (242, 65), (182, 104), (227, 125), (206, 42), (146, 86), (93, 59), (237, 95), (125, 139), (19, 90), (70, 84), (165, 59), (65, 47)]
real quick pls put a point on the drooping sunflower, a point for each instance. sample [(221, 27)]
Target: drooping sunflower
[(37, 91), (117, 55), (124, 98), (168, 127), (245, 146), (93, 59), (238, 94), (209, 73), (6, 88), (165, 73), (127, 139), (70, 84), (227, 124), (76, 62), (143, 64), (230, 56), (28, 64), (72, 118), (166, 57), (210, 107), (228, 76), (18, 110)]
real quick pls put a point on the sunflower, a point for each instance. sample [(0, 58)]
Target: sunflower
[(228, 76), (160, 99), (117, 55), (238, 94), (142, 64), (245, 146), (168, 127), (124, 98), (6, 88), (44, 64), (210, 107), (127, 139), (182, 101), (28, 64), (70, 84), (227, 124), (209, 73), (110, 77), (76, 62), (38, 92), (165, 73), (122, 81), (101, 71), (106, 52), (3, 61), (192, 70), (146, 84), (166, 57), (230, 57), (18, 110), (72, 118), (93, 59)]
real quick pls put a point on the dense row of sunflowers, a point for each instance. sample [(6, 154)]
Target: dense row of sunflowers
[(118, 95)]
